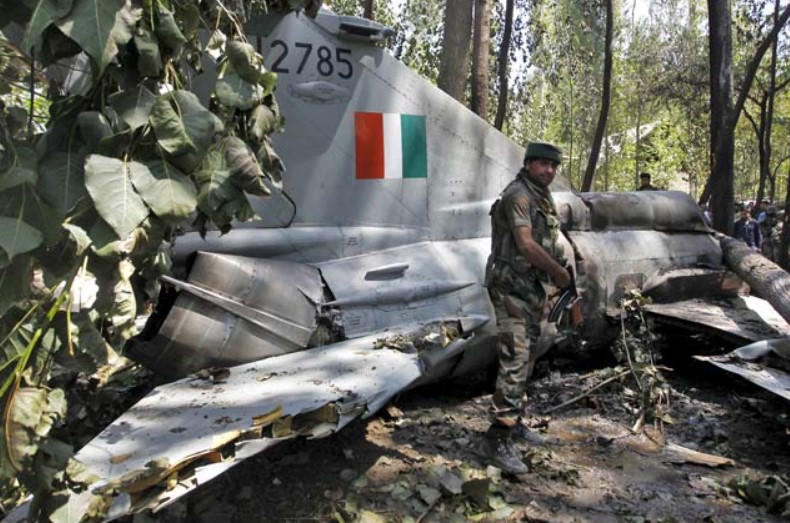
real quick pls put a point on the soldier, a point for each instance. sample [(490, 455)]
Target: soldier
[(524, 255)]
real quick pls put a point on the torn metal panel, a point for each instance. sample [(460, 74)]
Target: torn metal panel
[(765, 363), (673, 284), (419, 283), (739, 319), (233, 310), (194, 430), (611, 263)]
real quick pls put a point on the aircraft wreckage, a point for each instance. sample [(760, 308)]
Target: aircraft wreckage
[(365, 276)]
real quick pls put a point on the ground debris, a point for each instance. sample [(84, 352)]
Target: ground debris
[(423, 460)]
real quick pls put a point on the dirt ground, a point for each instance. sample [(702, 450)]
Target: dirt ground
[(422, 459)]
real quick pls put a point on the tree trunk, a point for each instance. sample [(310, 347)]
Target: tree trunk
[(637, 148), (454, 67), (770, 110), (767, 279), (723, 124), (722, 141), (605, 100), (504, 55), (480, 42), (784, 244), (368, 10)]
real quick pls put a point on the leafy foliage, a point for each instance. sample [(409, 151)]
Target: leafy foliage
[(94, 176)]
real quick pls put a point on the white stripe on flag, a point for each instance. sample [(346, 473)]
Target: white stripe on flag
[(393, 155)]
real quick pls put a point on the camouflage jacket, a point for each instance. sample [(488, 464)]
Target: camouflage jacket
[(522, 203)]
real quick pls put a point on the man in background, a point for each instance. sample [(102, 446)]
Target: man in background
[(748, 230), (644, 183)]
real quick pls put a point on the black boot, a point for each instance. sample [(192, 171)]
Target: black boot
[(522, 435), (501, 451)]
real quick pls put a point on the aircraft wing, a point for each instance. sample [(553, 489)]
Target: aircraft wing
[(184, 433)]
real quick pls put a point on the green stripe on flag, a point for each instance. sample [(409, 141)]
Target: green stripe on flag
[(413, 146)]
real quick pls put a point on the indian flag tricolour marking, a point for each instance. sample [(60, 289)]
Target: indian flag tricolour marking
[(390, 146)]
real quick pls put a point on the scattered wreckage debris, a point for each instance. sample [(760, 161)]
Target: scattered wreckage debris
[(765, 363), (187, 432)]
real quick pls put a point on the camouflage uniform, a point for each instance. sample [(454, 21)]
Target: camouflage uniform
[(516, 289)]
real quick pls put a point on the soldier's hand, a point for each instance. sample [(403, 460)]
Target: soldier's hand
[(562, 278)]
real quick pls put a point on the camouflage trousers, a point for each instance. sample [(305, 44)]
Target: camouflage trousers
[(519, 308)]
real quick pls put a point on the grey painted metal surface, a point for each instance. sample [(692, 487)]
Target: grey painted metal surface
[(763, 363), (233, 310), (440, 280), (739, 319), (182, 427)]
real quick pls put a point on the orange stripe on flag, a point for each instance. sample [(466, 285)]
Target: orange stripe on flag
[(368, 129)]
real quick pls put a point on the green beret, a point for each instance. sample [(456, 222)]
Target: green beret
[(543, 150)]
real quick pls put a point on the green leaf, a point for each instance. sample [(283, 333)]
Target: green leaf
[(268, 81), (134, 106), (116, 145), (271, 163), (24, 203), (17, 237), (244, 60), (182, 125), (124, 308), (52, 458), (93, 128), (246, 171), (32, 413), (56, 45), (262, 122), (79, 237), (45, 13), (61, 180), (100, 27), (169, 193), (23, 170), (167, 30), (149, 59), (188, 13), (104, 241), (15, 282), (215, 186), (233, 91), (108, 182)]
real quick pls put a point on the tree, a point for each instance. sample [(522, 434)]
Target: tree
[(605, 99), (502, 65), (368, 13), (454, 68), (725, 115), (480, 49)]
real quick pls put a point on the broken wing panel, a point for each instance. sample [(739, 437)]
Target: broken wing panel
[(764, 363), (184, 433), (739, 319)]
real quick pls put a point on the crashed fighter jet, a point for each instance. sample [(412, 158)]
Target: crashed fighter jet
[(364, 277)]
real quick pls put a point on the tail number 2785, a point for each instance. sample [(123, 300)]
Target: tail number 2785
[(326, 63)]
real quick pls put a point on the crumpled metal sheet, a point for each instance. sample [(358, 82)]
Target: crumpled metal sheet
[(740, 318), (757, 362), (188, 427), (233, 310)]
